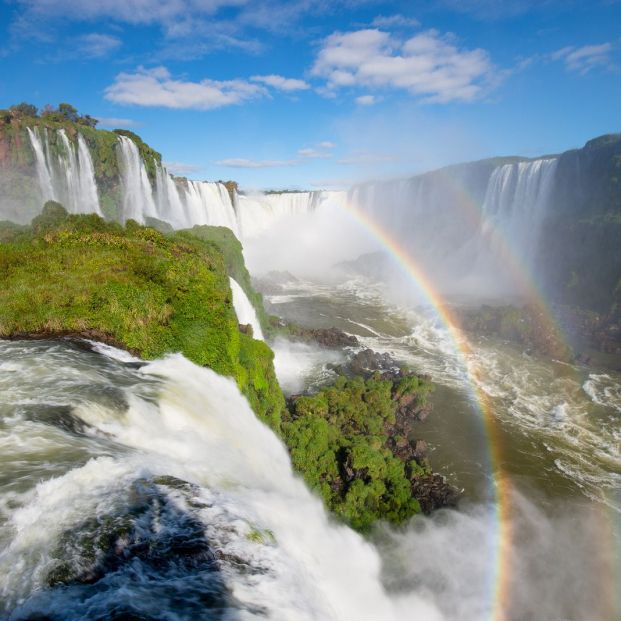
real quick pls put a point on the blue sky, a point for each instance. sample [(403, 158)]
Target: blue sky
[(318, 93)]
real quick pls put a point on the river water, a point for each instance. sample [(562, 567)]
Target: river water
[(133, 490)]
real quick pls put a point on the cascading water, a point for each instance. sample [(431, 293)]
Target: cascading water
[(138, 201), (245, 311), (67, 174), (456, 223), (516, 204), (258, 212), (167, 498), (43, 172)]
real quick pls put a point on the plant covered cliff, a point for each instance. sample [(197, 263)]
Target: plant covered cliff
[(132, 286)]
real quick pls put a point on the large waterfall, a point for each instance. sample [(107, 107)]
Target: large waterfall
[(138, 201), (259, 212), (65, 171), (155, 492), (459, 224)]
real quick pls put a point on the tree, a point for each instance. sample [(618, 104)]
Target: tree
[(69, 112), (24, 109), (88, 120)]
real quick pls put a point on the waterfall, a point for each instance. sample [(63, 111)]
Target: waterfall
[(245, 311), (172, 501), (211, 202), (138, 201), (88, 195), (516, 202), (258, 212), (43, 171), (170, 207), (466, 225), (65, 174)]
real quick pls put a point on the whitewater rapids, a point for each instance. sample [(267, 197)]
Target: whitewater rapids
[(164, 446)]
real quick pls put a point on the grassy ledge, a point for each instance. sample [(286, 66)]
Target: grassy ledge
[(152, 293)]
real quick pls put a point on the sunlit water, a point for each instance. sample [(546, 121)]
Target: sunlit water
[(150, 491)]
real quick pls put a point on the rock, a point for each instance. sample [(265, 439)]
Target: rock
[(433, 492)]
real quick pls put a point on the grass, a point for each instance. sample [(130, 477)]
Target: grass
[(149, 292)]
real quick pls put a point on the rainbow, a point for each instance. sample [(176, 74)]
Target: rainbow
[(502, 491)]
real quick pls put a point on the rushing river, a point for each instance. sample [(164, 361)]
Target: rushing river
[(133, 490)]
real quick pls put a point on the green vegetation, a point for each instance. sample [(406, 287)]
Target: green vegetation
[(150, 292), (231, 249), (344, 441)]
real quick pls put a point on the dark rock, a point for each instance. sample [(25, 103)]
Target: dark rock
[(433, 492)]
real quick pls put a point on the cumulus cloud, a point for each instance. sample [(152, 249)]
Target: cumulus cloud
[(247, 163), (428, 65), (366, 100), (97, 45), (281, 83), (583, 59), (157, 88)]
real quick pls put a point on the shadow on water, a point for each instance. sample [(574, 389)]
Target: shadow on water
[(148, 560)]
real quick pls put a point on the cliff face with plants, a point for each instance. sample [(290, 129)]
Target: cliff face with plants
[(19, 190), (580, 250)]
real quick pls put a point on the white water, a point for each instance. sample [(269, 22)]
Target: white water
[(257, 213), (245, 311), (515, 205), (138, 201), (200, 429), (277, 554), (65, 174)]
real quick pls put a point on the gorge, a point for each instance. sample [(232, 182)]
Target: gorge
[(148, 470)]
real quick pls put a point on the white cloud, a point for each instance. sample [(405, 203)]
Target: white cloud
[(246, 163), (281, 83), (96, 45), (168, 13), (156, 87), (179, 168), (366, 100), (114, 122), (326, 144), (428, 65), (583, 59), (394, 21), (314, 153)]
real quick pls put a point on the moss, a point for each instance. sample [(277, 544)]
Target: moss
[(150, 292), (232, 251)]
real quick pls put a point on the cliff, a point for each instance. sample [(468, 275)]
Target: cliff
[(133, 287)]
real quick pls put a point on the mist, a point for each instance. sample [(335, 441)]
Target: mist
[(557, 562)]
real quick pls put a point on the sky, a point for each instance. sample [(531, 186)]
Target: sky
[(308, 94)]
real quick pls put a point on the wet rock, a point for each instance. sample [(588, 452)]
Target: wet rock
[(433, 492)]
